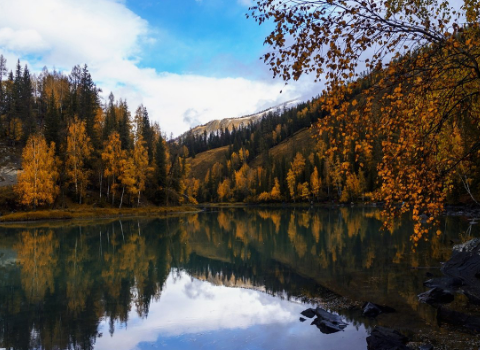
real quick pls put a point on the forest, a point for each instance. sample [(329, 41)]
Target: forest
[(77, 149)]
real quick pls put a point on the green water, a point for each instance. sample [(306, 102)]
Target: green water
[(227, 279)]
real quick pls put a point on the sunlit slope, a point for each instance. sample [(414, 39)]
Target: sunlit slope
[(205, 161), (302, 140)]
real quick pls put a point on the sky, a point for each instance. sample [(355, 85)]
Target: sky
[(187, 61)]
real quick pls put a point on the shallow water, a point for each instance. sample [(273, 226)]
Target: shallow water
[(230, 279)]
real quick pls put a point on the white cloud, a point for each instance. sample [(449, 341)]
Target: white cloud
[(109, 37)]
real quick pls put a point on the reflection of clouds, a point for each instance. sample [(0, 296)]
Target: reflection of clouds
[(188, 307), (196, 288)]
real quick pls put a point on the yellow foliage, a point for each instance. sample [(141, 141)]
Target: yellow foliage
[(37, 184)]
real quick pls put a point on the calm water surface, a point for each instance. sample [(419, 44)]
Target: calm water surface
[(230, 279)]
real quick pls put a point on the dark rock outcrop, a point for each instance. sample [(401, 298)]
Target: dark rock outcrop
[(436, 296), (383, 338), (373, 310)]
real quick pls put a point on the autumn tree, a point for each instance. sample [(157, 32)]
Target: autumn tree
[(422, 62), (37, 184), (112, 157), (78, 151)]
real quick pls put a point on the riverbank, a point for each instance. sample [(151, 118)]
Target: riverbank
[(88, 213)]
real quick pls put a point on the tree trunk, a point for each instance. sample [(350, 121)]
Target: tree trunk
[(121, 198)]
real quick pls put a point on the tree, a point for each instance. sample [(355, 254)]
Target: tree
[(112, 157), (140, 161), (79, 149), (37, 184), (422, 59), (161, 169)]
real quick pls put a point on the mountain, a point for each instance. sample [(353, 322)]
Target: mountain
[(229, 123)]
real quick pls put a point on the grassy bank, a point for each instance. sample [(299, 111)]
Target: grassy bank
[(87, 213)]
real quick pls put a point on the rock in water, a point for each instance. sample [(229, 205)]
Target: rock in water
[(464, 265), (373, 310), (328, 327), (327, 322), (310, 313), (436, 296), (383, 338)]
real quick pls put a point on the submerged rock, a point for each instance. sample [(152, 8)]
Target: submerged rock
[(436, 296), (373, 310), (383, 338), (468, 322)]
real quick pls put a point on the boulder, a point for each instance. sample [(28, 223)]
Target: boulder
[(310, 313), (436, 296), (447, 283), (383, 338), (464, 265), (327, 322), (373, 310), (426, 347), (328, 327), (328, 316)]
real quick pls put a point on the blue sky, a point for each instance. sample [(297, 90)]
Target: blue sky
[(208, 37), (187, 61)]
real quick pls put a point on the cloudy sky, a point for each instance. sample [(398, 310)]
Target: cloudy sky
[(187, 61)]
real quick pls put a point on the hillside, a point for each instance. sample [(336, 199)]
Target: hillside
[(205, 160), (302, 141)]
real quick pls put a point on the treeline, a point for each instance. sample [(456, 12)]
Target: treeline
[(75, 146)]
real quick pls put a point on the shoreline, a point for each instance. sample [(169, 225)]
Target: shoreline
[(92, 213)]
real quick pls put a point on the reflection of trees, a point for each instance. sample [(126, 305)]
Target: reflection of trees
[(72, 278), (38, 262)]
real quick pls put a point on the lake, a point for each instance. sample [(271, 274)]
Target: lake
[(226, 279)]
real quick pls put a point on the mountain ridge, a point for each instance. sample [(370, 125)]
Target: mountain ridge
[(238, 122)]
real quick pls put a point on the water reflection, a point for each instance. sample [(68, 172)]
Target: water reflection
[(205, 279)]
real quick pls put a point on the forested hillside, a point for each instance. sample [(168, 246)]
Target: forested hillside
[(284, 158), (77, 150)]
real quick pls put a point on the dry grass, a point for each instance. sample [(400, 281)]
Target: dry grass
[(86, 213), (205, 161), (302, 140)]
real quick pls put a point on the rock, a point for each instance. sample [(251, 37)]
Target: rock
[(436, 296), (328, 327), (465, 265), (448, 283), (327, 316), (327, 322), (469, 322), (310, 313), (383, 338), (426, 347), (373, 310)]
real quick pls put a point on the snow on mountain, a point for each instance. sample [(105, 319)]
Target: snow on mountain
[(230, 123)]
